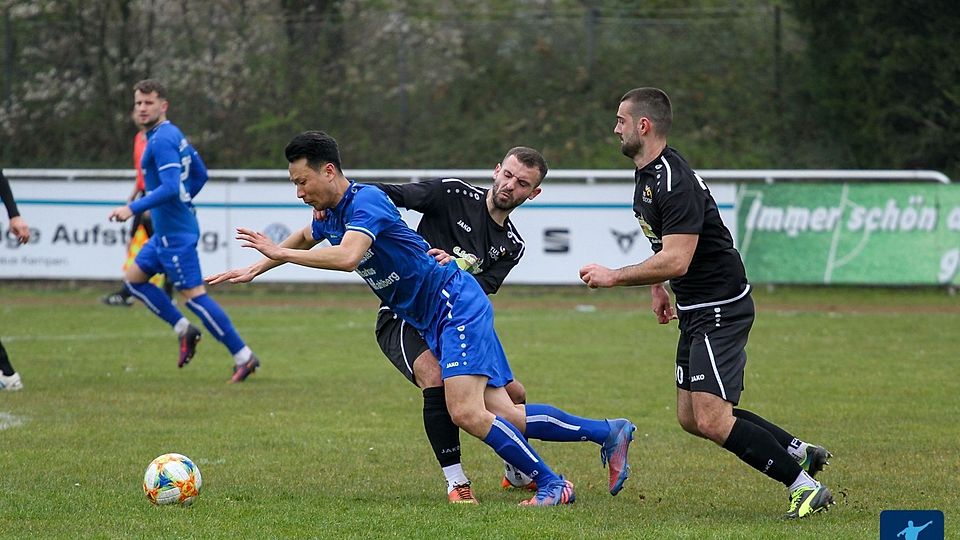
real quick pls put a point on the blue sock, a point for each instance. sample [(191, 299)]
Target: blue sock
[(156, 301), (216, 321), (507, 441), (548, 423)]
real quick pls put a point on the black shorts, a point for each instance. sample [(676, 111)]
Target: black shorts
[(710, 353), (400, 342)]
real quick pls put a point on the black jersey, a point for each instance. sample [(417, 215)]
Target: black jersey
[(669, 198), (456, 220)]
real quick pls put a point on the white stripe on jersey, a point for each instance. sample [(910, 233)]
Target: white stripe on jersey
[(364, 231), (466, 185), (168, 165), (713, 364), (516, 238), (669, 173), (718, 302)]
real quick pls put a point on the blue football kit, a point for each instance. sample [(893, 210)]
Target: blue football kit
[(173, 174), (447, 306)]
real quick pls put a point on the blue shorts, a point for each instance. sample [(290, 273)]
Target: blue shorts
[(176, 256), (462, 336)]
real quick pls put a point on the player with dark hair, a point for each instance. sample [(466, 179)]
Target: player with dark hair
[(694, 251), (471, 227), (445, 304), (9, 378), (173, 175)]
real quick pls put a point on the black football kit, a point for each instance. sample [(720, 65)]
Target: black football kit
[(456, 220), (713, 298)]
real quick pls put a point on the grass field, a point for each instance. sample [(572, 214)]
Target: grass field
[(326, 440)]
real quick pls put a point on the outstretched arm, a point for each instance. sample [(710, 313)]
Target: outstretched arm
[(302, 239), (344, 257)]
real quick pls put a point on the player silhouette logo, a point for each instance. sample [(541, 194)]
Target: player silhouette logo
[(910, 532)]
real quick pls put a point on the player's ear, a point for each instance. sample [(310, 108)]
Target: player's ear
[(496, 171), (534, 193), (329, 170)]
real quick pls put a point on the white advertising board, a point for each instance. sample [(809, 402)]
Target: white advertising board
[(564, 228)]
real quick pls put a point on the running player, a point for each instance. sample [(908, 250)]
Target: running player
[(173, 175), (694, 251)]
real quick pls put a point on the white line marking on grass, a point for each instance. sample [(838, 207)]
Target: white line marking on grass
[(8, 420), (84, 337)]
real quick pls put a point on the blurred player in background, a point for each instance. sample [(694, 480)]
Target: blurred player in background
[(694, 251), (471, 227), (141, 228), (9, 378), (173, 175), (444, 303)]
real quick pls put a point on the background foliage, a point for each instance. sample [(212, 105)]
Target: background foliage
[(791, 83)]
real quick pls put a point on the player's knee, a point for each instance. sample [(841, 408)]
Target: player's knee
[(688, 423), (710, 427), (426, 371), (469, 419), (517, 392)]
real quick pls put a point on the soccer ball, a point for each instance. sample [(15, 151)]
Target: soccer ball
[(172, 479), (516, 478)]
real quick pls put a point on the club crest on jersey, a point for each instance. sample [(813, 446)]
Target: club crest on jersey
[(647, 195)]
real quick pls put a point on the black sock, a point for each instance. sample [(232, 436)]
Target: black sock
[(443, 434), (785, 439), (5, 366), (759, 449)]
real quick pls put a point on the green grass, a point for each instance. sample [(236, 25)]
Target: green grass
[(326, 440)]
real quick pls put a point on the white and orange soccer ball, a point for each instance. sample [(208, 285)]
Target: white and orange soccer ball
[(172, 479)]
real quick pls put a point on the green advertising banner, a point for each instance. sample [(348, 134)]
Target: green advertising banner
[(884, 234)]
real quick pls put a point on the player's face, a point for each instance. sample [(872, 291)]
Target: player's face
[(148, 109), (315, 188), (514, 183), (629, 131)]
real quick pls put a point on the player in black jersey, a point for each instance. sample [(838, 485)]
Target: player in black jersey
[(471, 227), (694, 251), (9, 378)]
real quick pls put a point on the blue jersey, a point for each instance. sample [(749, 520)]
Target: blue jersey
[(173, 174), (396, 266)]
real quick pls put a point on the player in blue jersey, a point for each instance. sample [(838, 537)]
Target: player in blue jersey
[(173, 175), (443, 302)]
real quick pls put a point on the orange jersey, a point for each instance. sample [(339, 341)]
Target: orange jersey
[(139, 145)]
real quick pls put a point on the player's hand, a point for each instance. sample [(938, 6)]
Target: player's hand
[(120, 213), (660, 301), (259, 242), (20, 229), (237, 275), (441, 256), (595, 276)]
